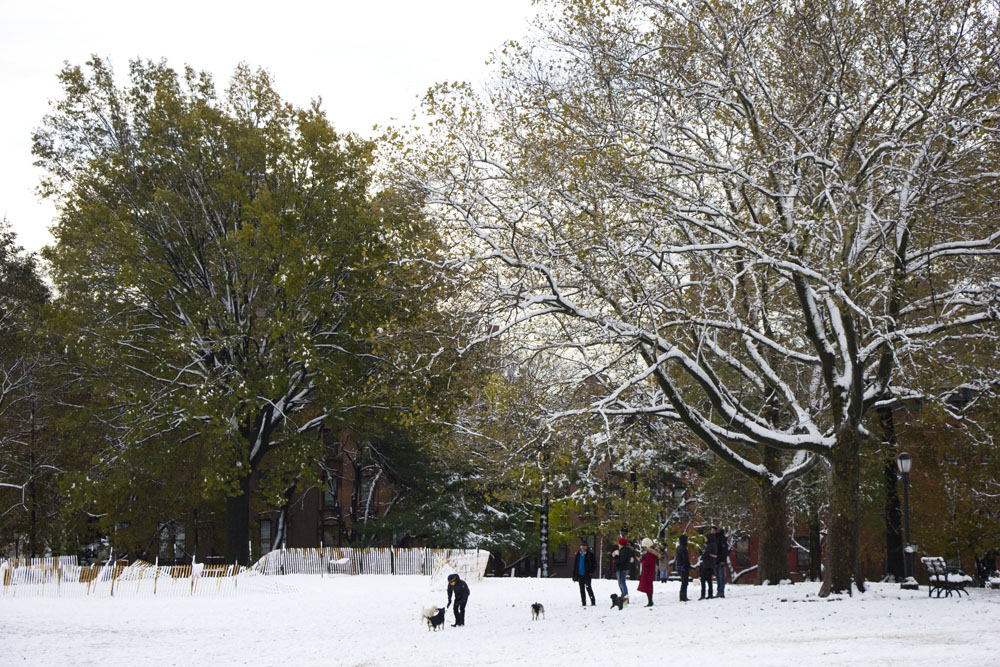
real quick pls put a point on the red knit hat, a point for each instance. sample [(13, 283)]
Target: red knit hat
[(622, 541)]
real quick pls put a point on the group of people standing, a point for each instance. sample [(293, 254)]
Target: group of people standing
[(712, 562)]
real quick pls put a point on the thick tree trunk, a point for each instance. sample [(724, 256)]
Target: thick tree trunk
[(772, 549), (238, 524), (893, 530), (842, 538)]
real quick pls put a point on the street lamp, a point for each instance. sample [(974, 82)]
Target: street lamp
[(903, 462)]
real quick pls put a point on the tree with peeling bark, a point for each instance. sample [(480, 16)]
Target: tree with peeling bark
[(221, 259), (759, 212)]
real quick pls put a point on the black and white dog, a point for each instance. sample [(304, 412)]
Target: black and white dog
[(618, 601), (537, 609), (434, 617)]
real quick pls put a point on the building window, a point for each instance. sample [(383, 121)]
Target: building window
[(171, 542), (331, 536), (266, 535), (740, 554), (330, 495), (365, 484), (560, 555), (528, 567), (802, 555)]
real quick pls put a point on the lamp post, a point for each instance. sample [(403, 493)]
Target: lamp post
[(903, 462)]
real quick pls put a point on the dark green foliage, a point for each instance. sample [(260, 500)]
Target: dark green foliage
[(223, 272)]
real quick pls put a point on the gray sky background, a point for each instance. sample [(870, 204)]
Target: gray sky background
[(369, 61)]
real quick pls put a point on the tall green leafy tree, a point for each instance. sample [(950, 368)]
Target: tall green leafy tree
[(28, 460), (222, 264)]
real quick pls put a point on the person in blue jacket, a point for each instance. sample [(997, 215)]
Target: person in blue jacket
[(583, 572)]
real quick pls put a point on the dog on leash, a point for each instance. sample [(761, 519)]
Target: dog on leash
[(618, 601), (537, 609), (434, 617)]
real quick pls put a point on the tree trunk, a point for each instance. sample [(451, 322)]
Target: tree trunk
[(544, 524), (842, 549), (772, 549), (815, 543), (33, 549), (238, 524), (893, 512), (543, 520)]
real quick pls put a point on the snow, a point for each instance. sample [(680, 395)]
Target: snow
[(375, 620)]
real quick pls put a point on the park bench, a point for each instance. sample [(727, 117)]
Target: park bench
[(944, 578)]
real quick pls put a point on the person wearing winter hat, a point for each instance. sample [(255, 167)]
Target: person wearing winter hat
[(461, 591), (622, 557), (682, 565), (649, 558)]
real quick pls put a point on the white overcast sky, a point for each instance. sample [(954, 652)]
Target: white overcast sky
[(369, 60)]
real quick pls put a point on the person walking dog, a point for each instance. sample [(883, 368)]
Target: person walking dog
[(623, 562), (461, 591)]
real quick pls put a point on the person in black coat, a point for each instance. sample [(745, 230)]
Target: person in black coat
[(623, 557), (461, 591), (722, 546), (707, 568), (682, 565), (583, 572)]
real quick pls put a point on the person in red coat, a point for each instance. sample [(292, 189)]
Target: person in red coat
[(649, 558)]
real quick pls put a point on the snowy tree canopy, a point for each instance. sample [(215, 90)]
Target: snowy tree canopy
[(745, 213)]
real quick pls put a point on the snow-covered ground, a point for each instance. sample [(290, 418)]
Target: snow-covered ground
[(374, 620)]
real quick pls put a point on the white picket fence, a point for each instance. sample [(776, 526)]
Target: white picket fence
[(471, 563), (138, 579), (62, 577)]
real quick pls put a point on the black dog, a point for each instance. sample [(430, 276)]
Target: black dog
[(617, 601), (537, 610), (434, 617)]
